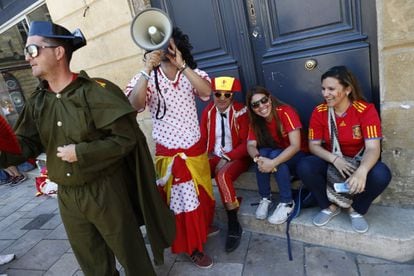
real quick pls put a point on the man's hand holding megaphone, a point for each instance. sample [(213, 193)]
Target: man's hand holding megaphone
[(154, 58), (173, 66), (175, 57)]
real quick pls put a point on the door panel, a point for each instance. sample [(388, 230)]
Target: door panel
[(291, 13), (218, 32), (294, 25), (268, 43), (288, 33)]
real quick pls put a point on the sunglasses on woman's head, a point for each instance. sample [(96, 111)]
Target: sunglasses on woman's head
[(226, 95), (32, 50), (256, 104)]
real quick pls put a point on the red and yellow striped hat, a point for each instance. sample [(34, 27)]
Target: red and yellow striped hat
[(228, 84)]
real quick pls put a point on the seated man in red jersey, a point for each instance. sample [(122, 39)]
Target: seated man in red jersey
[(224, 127)]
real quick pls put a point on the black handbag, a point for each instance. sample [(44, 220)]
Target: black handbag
[(343, 200)]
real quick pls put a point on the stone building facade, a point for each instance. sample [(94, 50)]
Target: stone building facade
[(112, 54)]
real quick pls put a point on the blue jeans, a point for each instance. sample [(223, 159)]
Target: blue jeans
[(23, 167), (3, 175), (283, 175), (312, 171)]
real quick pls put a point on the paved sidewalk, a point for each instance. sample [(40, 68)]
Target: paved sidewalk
[(31, 228)]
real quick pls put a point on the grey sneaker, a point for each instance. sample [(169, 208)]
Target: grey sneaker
[(324, 216), (282, 212), (358, 222), (263, 209)]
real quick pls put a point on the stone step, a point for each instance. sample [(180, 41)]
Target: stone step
[(390, 237), (391, 233)]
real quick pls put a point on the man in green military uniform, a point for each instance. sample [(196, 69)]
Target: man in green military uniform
[(97, 155)]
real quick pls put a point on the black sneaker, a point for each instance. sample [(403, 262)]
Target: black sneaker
[(233, 238), (18, 179)]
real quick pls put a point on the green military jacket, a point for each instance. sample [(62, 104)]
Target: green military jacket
[(97, 117)]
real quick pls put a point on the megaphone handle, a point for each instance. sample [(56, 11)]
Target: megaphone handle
[(160, 97)]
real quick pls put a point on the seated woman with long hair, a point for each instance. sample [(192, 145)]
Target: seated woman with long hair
[(276, 145), (358, 129)]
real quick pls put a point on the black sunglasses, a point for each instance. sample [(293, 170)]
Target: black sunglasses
[(256, 104), (226, 95), (32, 50)]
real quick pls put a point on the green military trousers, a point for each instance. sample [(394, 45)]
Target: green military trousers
[(100, 223)]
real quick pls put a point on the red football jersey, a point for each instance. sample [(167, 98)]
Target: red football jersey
[(290, 121), (360, 122)]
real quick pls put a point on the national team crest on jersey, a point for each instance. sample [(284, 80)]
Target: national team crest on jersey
[(356, 132)]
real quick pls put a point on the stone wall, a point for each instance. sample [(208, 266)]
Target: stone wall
[(396, 54)]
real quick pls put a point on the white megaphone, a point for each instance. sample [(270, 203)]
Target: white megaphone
[(151, 29)]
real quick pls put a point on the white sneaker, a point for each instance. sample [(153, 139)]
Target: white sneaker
[(282, 212), (4, 259), (263, 209)]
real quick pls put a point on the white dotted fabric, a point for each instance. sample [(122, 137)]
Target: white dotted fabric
[(179, 128), (183, 197)]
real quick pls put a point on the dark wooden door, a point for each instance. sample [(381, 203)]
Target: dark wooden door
[(284, 45)]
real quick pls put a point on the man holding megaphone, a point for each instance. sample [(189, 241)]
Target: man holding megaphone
[(168, 85)]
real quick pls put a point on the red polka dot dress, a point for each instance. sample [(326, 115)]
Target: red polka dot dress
[(176, 133)]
